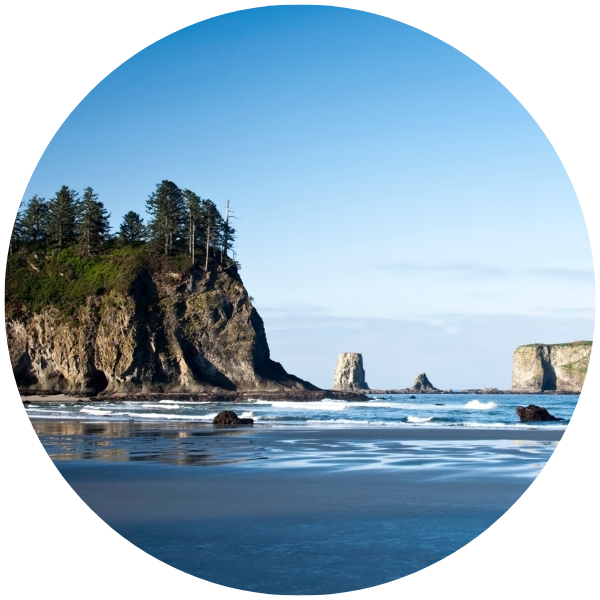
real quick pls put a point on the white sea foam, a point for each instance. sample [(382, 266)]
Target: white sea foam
[(349, 422), (246, 415), (477, 405), (412, 419), (143, 415), (99, 412), (321, 405), (162, 406)]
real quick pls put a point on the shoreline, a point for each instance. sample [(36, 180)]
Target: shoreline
[(290, 396)]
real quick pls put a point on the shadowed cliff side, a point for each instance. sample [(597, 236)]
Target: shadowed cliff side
[(163, 330)]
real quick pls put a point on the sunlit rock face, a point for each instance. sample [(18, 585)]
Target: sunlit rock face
[(349, 372), (546, 367), (197, 332)]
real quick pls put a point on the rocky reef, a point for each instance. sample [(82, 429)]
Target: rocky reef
[(349, 372), (184, 331), (551, 367)]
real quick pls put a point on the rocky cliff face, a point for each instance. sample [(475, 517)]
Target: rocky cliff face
[(171, 332), (349, 372), (541, 367)]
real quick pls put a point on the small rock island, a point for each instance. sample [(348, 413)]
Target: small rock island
[(349, 372)]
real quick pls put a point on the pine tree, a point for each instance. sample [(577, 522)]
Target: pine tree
[(166, 206), (92, 223), (192, 204), (133, 230), (211, 226), (34, 221), (16, 237), (62, 217)]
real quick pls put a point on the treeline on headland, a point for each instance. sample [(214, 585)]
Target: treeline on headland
[(62, 250)]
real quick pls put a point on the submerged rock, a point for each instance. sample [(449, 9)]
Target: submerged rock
[(228, 417), (349, 372), (535, 413), (422, 384)]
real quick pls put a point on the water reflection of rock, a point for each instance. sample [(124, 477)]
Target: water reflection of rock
[(181, 444)]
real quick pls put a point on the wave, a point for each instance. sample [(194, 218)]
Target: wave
[(411, 419), (140, 415), (477, 405)]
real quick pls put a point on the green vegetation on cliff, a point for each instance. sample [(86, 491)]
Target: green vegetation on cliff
[(65, 279), (62, 252)]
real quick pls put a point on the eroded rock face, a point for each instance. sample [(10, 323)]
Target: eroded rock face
[(349, 372), (423, 384), (535, 413), (542, 367), (166, 335)]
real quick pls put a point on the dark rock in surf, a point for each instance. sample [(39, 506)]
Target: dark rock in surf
[(228, 417), (535, 413)]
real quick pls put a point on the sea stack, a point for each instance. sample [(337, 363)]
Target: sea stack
[(422, 384), (548, 367), (349, 372)]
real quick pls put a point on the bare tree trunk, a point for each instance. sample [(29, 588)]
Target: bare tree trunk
[(207, 246), (193, 242)]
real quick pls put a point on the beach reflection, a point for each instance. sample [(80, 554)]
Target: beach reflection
[(193, 444), (125, 441)]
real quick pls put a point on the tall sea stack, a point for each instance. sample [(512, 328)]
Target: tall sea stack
[(349, 372)]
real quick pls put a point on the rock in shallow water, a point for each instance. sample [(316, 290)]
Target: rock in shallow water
[(535, 413), (228, 417)]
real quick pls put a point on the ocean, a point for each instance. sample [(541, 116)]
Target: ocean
[(393, 410)]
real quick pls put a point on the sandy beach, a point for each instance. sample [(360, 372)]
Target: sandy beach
[(300, 510)]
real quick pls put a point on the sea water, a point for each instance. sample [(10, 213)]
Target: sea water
[(394, 410)]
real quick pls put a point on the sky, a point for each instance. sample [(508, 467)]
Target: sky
[(393, 198)]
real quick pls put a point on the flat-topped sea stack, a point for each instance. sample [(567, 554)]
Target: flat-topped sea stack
[(551, 367), (349, 372)]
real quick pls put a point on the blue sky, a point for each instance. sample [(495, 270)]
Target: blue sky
[(394, 198)]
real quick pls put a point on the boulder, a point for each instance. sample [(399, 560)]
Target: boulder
[(423, 384), (349, 372), (228, 417), (535, 413)]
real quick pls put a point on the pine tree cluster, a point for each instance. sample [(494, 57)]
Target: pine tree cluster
[(179, 222)]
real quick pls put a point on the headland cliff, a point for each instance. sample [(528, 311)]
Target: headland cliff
[(152, 327), (549, 367)]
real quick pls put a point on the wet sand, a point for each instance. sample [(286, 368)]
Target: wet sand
[(296, 510)]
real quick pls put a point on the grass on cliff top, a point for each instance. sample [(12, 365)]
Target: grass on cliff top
[(578, 343), (66, 278)]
